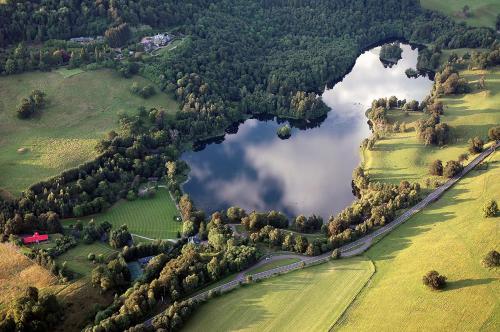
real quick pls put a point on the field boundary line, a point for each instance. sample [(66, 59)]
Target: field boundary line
[(342, 316)]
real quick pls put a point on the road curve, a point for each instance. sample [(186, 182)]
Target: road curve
[(354, 248)]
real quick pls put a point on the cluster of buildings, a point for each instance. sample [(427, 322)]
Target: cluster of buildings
[(152, 43)]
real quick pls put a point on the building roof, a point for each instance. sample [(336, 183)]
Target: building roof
[(35, 238)]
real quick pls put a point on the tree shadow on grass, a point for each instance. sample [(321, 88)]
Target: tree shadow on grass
[(452, 285), (401, 238)]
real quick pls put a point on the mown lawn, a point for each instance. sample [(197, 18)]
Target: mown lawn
[(76, 258), (402, 157), (81, 108), (483, 12), (450, 236), (305, 300), (148, 217)]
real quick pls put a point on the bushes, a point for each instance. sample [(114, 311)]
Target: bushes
[(308, 225), (431, 132), (494, 133), (436, 168), (434, 280), (120, 237), (476, 145), (490, 209), (29, 106), (491, 259), (93, 232), (112, 276), (391, 52), (335, 254), (32, 312), (119, 35), (452, 168), (145, 91)]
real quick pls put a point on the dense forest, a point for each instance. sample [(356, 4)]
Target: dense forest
[(245, 57)]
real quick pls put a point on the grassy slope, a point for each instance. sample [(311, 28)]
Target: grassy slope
[(149, 217), (402, 156), (304, 300), (17, 272), (451, 237), (81, 108), (484, 12)]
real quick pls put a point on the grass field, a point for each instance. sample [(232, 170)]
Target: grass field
[(451, 237), (149, 217), (306, 300), (81, 107), (272, 265), (483, 12), (402, 156), (17, 272), (76, 258)]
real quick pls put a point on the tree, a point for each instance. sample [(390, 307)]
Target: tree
[(490, 209), (436, 168), (476, 145), (491, 259), (171, 169), (335, 254), (120, 237), (452, 168), (25, 109), (466, 11), (10, 66), (434, 280), (494, 133), (463, 157), (119, 35), (188, 228)]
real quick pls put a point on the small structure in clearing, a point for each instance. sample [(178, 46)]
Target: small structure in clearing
[(152, 43), (36, 238)]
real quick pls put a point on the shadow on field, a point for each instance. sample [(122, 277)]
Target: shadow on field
[(452, 285), (400, 239)]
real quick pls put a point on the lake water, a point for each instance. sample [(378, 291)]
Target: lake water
[(311, 171)]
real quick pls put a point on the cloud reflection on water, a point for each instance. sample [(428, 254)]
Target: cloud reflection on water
[(311, 171)]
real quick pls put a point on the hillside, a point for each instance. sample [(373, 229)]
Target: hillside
[(481, 12), (309, 299), (451, 237), (400, 156), (81, 108)]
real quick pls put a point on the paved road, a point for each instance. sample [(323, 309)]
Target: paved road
[(354, 248)]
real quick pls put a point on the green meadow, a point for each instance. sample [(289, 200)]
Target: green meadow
[(482, 12), (304, 300), (147, 217), (402, 157), (81, 108), (450, 236), (76, 258)]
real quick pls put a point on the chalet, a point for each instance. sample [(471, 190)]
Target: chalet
[(36, 238), (152, 43)]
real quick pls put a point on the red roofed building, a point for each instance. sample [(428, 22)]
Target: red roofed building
[(36, 238)]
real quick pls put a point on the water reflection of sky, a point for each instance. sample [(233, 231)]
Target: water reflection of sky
[(311, 171)]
